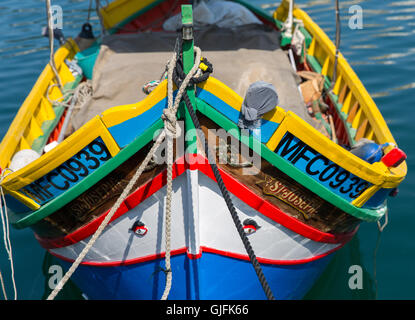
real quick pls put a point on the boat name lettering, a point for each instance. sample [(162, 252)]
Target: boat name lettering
[(290, 195), (320, 168), (68, 173)]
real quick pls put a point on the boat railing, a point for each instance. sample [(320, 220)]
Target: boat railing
[(354, 105), (37, 116)]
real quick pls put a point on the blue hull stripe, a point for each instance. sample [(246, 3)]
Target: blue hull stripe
[(211, 277)]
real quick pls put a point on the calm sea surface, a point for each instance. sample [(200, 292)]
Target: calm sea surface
[(383, 56)]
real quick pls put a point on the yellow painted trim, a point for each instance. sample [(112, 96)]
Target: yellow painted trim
[(369, 192), (23, 199), (230, 97), (277, 136), (109, 141), (323, 47), (223, 92), (20, 134), (373, 173), (119, 10), (119, 114), (65, 150)]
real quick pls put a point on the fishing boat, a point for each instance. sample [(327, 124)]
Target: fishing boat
[(205, 150)]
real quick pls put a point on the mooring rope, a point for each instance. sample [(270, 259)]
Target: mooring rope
[(2, 286), (51, 44), (169, 131), (178, 76), (336, 57), (6, 233), (229, 203)]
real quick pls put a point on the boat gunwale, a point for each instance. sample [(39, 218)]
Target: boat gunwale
[(354, 84)]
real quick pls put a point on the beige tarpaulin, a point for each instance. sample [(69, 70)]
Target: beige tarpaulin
[(240, 56)]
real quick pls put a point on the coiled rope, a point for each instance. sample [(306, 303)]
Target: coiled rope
[(169, 117)]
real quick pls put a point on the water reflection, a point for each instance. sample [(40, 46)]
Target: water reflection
[(334, 282)]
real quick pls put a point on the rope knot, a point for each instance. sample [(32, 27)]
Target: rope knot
[(170, 123)]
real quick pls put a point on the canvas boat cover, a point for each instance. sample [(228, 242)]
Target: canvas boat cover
[(240, 56)]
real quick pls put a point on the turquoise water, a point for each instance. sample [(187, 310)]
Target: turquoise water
[(383, 56)]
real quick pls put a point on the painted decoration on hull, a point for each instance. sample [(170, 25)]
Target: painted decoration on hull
[(321, 169), (215, 231), (68, 173), (291, 195)]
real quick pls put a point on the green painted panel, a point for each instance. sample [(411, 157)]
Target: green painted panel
[(22, 220), (288, 168)]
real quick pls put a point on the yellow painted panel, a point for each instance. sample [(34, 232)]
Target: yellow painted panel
[(336, 87), (323, 48), (47, 109), (119, 10), (119, 114), (325, 69), (13, 141), (311, 49), (366, 195), (358, 118), (23, 198), (373, 173), (65, 150), (348, 102)]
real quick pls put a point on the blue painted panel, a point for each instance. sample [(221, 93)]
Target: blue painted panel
[(377, 199), (211, 277), (267, 127), (321, 169), (68, 173), (125, 132), (15, 205)]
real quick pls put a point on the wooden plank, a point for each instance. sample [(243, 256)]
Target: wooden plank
[(325, 68), (352, 112), (361, 130), (342, 94)]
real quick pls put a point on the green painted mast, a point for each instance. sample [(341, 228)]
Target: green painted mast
[(188, 62)]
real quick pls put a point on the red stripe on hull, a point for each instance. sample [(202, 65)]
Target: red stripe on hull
[(234, 186), (198, 256)]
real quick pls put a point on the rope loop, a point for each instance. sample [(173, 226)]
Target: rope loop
[(204, 71), (170, 123)]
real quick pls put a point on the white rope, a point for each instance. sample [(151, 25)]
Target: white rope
[(81, 92), (170, 130), (51, 44), (6, 233), (78, 99), (2, 286), (170, 114)]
